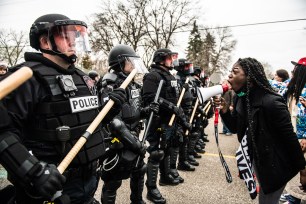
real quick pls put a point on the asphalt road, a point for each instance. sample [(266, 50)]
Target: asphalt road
[(207, 185)]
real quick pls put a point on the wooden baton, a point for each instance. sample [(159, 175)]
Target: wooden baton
[(13, 81), (178, 103)]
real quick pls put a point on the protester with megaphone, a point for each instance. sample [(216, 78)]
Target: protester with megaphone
[(125, 145), (262, 122), (48, 113)]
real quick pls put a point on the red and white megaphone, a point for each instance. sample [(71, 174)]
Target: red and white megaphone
[(206, 93)]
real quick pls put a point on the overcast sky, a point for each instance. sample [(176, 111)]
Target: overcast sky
[(277, 44)]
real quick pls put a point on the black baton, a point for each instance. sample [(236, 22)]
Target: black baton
[(151, 117)]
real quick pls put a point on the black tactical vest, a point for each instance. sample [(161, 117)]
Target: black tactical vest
[(75, 109), (130, 113), (188, 97), (170, 90)]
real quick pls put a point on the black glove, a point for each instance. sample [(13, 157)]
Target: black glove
[(142, 150), (154, 106), (178, 111), (200, 110), (118, 95), (48, 180), (186, 125), (186, 86)]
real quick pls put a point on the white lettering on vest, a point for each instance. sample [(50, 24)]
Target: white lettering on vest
[(135, 93), (174, 83), (80, 104)]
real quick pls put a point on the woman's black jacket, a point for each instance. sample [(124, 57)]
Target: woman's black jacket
[(277, 153)]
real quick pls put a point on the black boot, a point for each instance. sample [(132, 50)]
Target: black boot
[(176, 175), (198, 149), (196, 155), (200, 141), (191, 149), (137, 183), (183, 164), (109, 191), (202, 146), (153, 193), (192, 160), (166, 177), (174, 151)]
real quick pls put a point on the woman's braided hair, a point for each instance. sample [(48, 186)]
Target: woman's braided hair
[(256, 76), (297, 82)]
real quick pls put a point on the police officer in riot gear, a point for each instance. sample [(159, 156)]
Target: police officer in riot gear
[(160, 134), (184, 68), (49, 113), (201, 121), (122, 59), (187, 68)]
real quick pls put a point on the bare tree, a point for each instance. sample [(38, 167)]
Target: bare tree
[(12, 46), (268, 70), (225, 45), (146, 25), (217, 50), (118, 22), (164, 18)]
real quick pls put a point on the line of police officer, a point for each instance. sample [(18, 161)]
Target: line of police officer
[(165, 141), (40, 124)]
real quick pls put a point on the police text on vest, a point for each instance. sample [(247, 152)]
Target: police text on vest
[(80, 104)]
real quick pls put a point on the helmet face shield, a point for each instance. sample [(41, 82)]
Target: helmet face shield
[(70, 39), (188, 68), (137, 64), (174, 56), (176, 63)]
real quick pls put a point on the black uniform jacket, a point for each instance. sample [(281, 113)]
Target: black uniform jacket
[(22, 106), (278, 156), (168, 92)]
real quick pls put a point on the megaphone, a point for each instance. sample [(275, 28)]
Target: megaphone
[(206, 93)]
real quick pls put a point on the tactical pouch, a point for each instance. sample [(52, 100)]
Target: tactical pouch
[(119, 165), (63, 135)]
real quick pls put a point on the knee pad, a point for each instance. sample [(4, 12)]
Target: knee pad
[(194, 135), (156, 156)]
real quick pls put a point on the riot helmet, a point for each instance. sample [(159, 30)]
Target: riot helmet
[(197, 71), (121, 56), (93, 74), (161, 55), (184, 67), (67, 37)]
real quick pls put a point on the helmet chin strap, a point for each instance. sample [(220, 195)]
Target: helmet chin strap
[(168, 67), (70, 59)]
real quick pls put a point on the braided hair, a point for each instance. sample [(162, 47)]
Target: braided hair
[(297, 82), (256, 76)]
